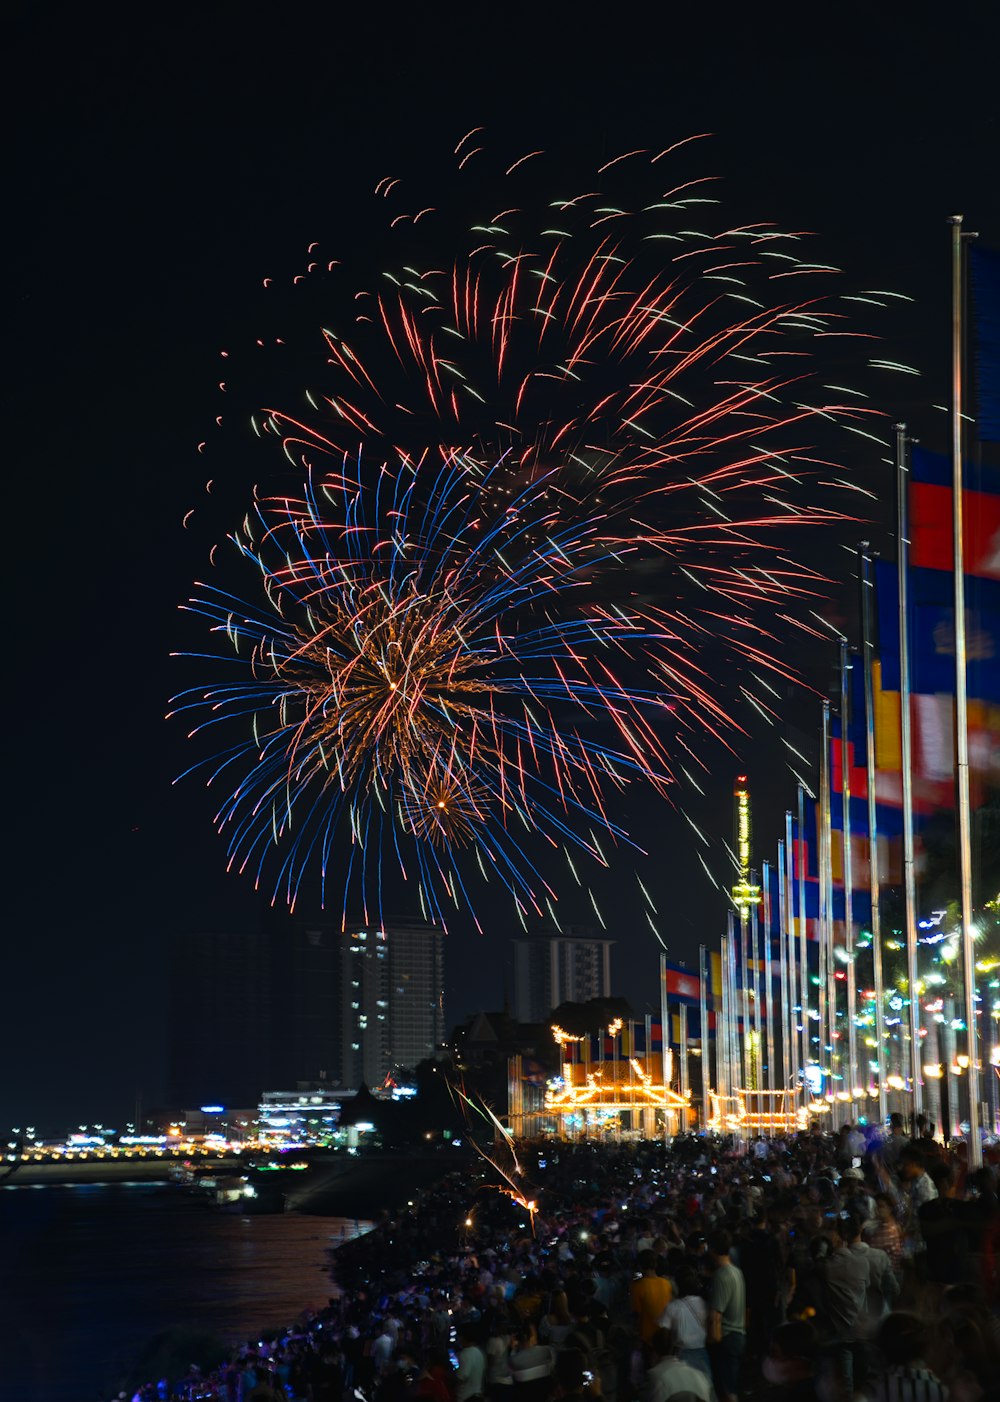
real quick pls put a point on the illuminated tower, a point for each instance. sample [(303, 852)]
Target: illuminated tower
[(746, 895)]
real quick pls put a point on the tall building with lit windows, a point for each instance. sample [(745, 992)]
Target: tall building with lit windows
[(391, 1001), (569, 967)]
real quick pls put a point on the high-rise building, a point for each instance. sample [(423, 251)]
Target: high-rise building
[(569, 967), (391, 1000)]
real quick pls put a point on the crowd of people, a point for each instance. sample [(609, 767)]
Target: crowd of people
[(828, 1267)]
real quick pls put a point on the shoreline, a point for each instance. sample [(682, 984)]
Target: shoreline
[(362, 1187)]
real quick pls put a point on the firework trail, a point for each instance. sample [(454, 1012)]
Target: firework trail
[(421, 678), (610, 398)]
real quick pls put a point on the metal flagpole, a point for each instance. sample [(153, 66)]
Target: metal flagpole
[(793, 977), (755, 960), (706, 1078), (786, 1060), (827, 1000), (803, 934), (906, 748), (833, 1011), (845, 772), (975, 1150), (744, 961), (732, 1022), (734, 1005), (664, 1044), (768, 990), (724, 1029), (867, 647), (682, 1017)]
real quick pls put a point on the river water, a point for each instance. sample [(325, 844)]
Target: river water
[(91, 1274)]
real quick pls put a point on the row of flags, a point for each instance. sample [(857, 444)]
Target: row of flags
[(931, 642)]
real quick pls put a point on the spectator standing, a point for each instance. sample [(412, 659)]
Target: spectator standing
[(650, 1294), (789, 1366), (470, 1380), (670, 1376), (904, 1376), (727, 1318), (883, 1287), (894, 1143), (531, 1365), (687, 1319), (846, 1281), (885, 1232)]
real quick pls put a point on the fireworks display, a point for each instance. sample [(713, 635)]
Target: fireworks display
[(544, 478), (423, 670)]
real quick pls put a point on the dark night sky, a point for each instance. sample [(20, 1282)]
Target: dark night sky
[(157, 170)]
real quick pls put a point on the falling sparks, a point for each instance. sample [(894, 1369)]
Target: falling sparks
[(560, 550)]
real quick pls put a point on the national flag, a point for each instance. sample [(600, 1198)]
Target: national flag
[(682, 984), (932, 654), (932, 545), (715, 978)]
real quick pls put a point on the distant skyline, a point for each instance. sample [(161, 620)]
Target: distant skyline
[(160, 170)]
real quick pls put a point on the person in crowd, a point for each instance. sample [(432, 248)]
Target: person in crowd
[(434, 1381), (669, 1376), (856, 1197), (727, 1318), (945, 1221), (686, 1317), (470, 1377), (883, 1287), (916, 1181), (789, 1366), (894, 1143), (884, 1231), (531, 1364), (266, 1388), (499, 1379), (569, 1377), (650, 1295), (382, 1349), (558, 1322), (760, 1245), (846, 1278), (904, 1376)]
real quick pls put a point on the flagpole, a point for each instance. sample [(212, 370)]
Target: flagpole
[(734, 1004), (827, 980), (826, 878), (682, 1017), (755, 960), (786, 1060), (975, 1150), (793, 982), (873, 871), (906, 760), (706, 1080), (845, 772), (664, 1044), (731, 1043), (768, 989), (803, 936), (744, 959)]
